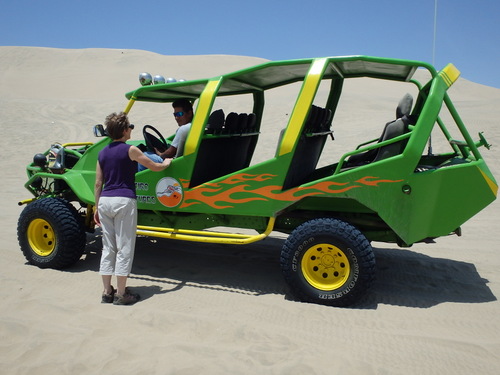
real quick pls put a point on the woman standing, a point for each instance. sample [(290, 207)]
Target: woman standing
[(116, 206)]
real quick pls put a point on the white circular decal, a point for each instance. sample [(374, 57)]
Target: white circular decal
[(169, 192)]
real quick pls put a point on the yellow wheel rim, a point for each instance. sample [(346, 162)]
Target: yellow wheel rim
[(325, 267), (41, 237)]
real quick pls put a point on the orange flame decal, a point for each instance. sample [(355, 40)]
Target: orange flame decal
[(365, 181), (237, 189)]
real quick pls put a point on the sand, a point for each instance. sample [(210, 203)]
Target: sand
[(213, 309)]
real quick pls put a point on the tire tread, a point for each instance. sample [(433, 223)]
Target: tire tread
[(68, 228)]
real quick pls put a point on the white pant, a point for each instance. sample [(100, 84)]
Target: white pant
[(118, 216)]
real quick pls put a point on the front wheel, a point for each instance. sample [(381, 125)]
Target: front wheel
[(51, 233), (328, 261)]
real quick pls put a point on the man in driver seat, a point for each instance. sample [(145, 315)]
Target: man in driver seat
[(183, 114)]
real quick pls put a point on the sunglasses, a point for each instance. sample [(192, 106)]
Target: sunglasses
[(131, 126), (179, 114)]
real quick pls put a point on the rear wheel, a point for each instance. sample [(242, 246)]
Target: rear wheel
[(51, 233), (328, 261)]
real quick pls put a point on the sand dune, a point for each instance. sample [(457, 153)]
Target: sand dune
[(212, 309)]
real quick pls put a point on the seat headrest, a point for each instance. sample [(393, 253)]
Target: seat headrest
[(215, 122), (216, 119), (404, 106)]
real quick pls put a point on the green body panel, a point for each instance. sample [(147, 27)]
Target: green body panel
[(443, 199), (82, 181), (405, 198)]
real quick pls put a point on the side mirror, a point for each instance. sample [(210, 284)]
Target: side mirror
[(99, 131)]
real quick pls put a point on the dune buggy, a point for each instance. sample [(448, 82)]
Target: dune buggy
[(391, 189)]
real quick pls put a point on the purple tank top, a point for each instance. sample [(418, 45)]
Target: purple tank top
[(118, 171)]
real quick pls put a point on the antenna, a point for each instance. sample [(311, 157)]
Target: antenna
[(435, 31), (429, 147)]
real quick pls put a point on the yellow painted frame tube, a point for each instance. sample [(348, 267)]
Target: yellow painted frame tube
[(303, 105), (130, 104), (449, 74), (26, 201), (202, 113), (78, 144), (205, 236)]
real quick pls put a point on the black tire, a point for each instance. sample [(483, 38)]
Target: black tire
[(51, 233), (328, 261)]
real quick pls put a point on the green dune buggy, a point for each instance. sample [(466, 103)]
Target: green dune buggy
[(391, 189)]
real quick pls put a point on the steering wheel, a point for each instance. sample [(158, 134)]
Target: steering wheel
[(152, 141)]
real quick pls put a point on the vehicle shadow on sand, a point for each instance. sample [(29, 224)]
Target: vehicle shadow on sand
[(404, 277), (408, 278)]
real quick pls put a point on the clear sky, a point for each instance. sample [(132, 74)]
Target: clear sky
[(467, 32)]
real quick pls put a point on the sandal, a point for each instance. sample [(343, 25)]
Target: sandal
[(108, 298), (126, 299)]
